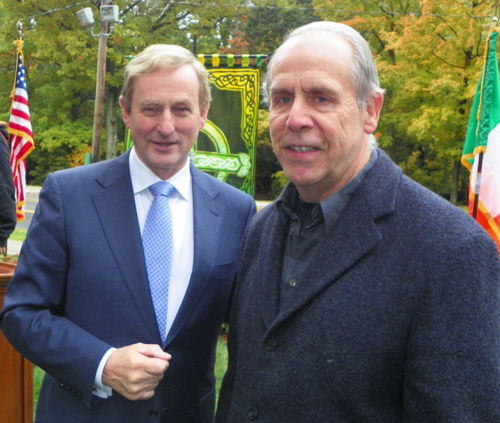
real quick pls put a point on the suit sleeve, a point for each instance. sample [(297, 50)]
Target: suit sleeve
[(34, 318), (452, 371), (8, 217)]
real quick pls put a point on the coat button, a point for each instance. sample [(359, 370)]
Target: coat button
[(153, 413), (271, 345), (253, 414)]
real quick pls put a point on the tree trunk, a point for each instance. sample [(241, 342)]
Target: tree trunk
[(111, 135), (454, 183)]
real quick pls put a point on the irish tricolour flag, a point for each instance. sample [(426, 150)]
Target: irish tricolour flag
[(481, 154)]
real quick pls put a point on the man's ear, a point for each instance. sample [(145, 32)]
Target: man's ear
[(203, 116), (125, 114), (372, 113)]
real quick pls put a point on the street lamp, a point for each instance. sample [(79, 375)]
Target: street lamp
[(109, 15)]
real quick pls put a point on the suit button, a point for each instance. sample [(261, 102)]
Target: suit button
[(153, 413), (253, 414), (271, 345)]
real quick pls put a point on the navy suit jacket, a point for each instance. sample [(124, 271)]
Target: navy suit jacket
[(396, 319), (81, 287)]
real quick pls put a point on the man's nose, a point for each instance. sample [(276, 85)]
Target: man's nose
[(166, 123), (299, 117)]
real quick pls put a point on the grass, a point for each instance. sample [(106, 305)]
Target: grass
[(18, 235), (220, 369)]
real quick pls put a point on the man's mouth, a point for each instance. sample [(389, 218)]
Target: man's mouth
[(301, 149), (163, 143)]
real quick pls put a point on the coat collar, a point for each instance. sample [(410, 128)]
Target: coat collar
[(353, 236)]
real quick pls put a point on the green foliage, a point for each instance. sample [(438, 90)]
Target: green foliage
[(18, 235), (38, 375), (221, 359), (267, 163), (41, 162), (279, 182), (429, 55)]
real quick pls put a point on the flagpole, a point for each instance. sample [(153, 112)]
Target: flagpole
[(481, 154)]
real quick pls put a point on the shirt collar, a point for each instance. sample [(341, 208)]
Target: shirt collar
[(143, 177), (332, 206)]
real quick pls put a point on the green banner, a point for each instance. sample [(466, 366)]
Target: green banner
[(226, 145)]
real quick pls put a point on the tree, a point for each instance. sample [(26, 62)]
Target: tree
[(60, 60), (427, 54)]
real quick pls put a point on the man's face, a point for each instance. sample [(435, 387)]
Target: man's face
[(318, 132), (165, 118)]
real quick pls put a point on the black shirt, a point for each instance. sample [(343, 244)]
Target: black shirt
[(308, 226)]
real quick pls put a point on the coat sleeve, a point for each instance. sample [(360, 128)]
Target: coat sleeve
[(33, 318), (452, 369), (7, 195)]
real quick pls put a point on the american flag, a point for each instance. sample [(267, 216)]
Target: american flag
[(22, 137)]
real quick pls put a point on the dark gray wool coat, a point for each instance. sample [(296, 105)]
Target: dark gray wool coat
[(396, 320)]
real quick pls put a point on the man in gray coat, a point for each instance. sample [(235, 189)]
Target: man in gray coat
[(361, 296)]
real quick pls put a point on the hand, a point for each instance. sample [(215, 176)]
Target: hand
[(3, 250), (136, 370)]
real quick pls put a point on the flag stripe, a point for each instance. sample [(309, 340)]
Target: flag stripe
[(483, 137), (22, 140)]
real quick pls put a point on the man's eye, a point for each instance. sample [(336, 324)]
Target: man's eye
[(150, 110), (321, 99), (285, 100)]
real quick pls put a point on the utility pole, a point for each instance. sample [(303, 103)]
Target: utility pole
[(99, 88), (99, 92)]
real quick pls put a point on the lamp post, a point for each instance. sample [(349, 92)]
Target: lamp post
[(108, 15)]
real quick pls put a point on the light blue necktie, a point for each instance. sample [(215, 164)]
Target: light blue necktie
[(157, 241)]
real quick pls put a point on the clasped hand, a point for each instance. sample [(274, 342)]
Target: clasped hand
[(135, 371)]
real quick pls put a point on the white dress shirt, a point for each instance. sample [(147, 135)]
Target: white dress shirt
[(181, 207)]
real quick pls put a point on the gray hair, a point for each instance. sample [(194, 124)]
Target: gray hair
[(364, 72), (164, 56)]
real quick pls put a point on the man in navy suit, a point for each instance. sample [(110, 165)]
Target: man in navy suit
[(361, 296), (80, 305)]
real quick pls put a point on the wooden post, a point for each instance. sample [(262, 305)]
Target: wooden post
[(99, 92), (16, 373)]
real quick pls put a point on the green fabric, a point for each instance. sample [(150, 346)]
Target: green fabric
[(226, 145), (486, 98)]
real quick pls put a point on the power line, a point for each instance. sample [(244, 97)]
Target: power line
[(254, 7), (48, 12), (310, 9)]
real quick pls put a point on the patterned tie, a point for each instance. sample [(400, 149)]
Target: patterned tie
[(157, 241)]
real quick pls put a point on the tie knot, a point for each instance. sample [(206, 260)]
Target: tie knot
[(162, 188)]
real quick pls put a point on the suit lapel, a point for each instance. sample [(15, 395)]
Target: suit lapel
[(208, 216), (115, 206)]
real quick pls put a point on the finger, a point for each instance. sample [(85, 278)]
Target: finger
[(154, 351), (156, 367)]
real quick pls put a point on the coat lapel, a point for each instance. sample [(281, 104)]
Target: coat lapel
[(208, 216), (270, 262), (115, 206), (354, 235)]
